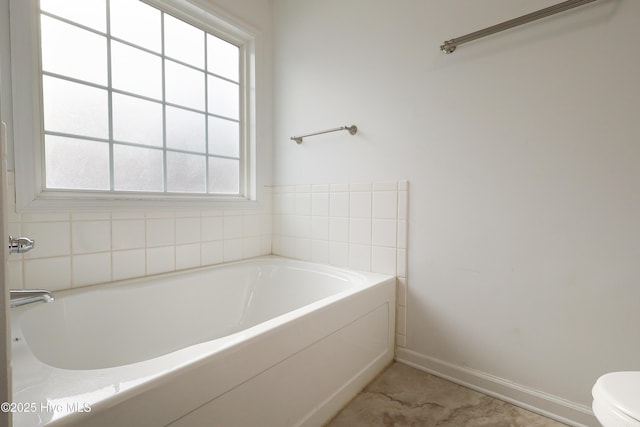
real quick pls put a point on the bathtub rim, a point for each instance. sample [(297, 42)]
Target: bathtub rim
[(194, 356), (133, 289)]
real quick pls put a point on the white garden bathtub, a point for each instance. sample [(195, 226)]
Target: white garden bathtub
[(264, 342)]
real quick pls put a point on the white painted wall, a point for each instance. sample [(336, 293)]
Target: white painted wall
[(522, 151)]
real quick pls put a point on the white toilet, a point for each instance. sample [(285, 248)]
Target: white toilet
[(616, 399)]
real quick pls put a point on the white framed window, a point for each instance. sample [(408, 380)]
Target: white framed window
[(118, 101)]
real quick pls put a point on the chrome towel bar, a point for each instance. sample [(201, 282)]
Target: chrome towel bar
[(352, 130), (450, 46)]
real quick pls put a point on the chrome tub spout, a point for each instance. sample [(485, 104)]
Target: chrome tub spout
[(27, 296)]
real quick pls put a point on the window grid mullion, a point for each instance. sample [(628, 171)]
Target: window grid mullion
[(164, 107), (135, 95), (206, 116), (110, 100)]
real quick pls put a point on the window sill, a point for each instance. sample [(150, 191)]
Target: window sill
[(74, 201)]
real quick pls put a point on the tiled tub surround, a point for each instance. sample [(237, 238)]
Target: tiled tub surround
[(359, 226), (76, 249)]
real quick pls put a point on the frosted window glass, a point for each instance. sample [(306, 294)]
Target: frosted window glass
[(76, 163), (183, 42), (184, 85), (186, 173), (137, 169), (91, 13), (224, 98), (224, 137), (71, 51), (223, 58), (185, 130), (224, 176), (136, 71), (137, 120), (75, 108), (169, 112), (137, 23)]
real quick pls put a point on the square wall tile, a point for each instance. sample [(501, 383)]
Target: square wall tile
[(128, 215), (338, 188), (339, 204), (303, 204), (384, 232), (339, 229), (212, 252), (251, 247), (128, 264), (319, 227), (49, 273), (284, 203), (320, 204), (161, 232), (161, 260), (320, 188), (90, 236), (360, 231), (265, 244), (212, 228), (357, 186), (187, 256), (91, 269), (253, 225), (303, 226), (339, 254), (14, 275), (46, 216), (90, 216), (360, 257), (302, 249), (233, 227), (187, 230), (385, 186), (319, 251), (383, 260), (128, 234), (360, 205), (233, 250), (385, 204), (52, 238)]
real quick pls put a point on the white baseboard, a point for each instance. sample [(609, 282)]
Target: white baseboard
[(545, 404)]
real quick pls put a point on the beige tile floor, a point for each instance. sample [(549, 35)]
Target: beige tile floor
[(403, 396)]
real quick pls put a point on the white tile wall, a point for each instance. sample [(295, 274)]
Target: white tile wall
[(86, 248), (361, 226)]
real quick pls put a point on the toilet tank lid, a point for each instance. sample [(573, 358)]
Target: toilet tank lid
[(620, 390)]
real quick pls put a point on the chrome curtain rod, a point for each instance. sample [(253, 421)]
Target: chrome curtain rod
[(352, 130), (450, 46)]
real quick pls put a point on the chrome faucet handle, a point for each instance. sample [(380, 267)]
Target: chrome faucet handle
[(18, 245)]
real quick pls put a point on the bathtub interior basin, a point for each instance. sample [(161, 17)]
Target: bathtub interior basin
[(124, 324)]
